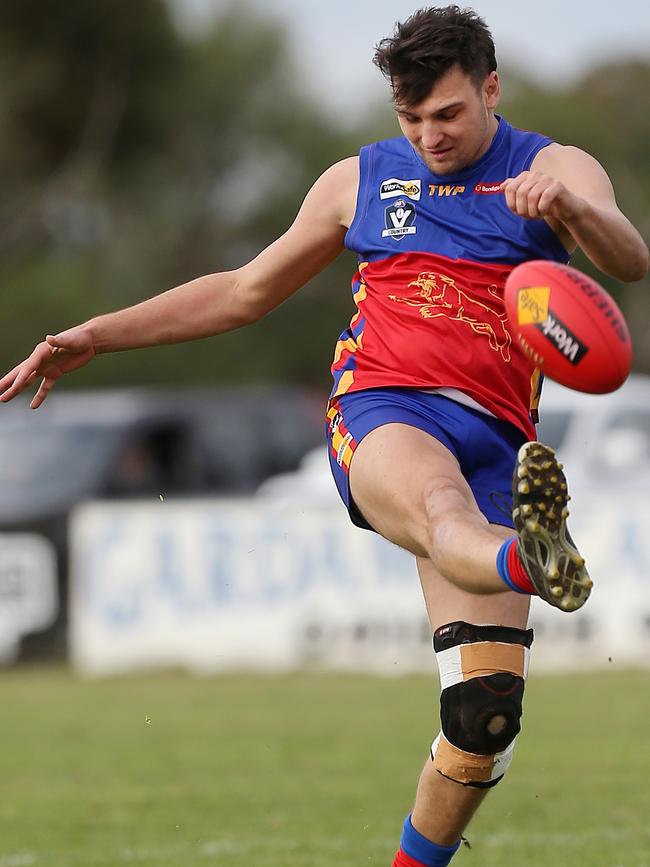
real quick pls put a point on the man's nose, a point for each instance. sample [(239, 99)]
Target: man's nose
[(432, 136)]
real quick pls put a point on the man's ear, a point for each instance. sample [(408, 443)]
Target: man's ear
[(492, 90)]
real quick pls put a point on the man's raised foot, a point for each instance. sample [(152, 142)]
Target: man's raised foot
[(539, 512)]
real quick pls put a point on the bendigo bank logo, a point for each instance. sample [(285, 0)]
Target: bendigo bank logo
[(438, 296), (399, 219), (488, 189)]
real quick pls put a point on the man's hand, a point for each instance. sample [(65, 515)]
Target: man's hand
[(55, 356), (534, 196)]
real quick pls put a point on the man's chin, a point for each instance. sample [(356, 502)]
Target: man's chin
[(445, 164)]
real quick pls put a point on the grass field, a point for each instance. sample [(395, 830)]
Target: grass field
[(305, 771)]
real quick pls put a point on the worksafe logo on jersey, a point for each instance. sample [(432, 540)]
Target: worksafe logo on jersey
[(394, 187), (399, 220)]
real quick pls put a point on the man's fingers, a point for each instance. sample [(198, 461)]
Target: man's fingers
[(46, 361), (516, 197), (13, 383), (43, 390), (533, 195), (24, 373), (525, 198), (6, 382), (550, 196), (511, 189), (56, 355), (530, 196), (517, 189), (518, 193), (530, 206)]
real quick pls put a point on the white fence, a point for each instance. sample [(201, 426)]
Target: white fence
[(222, 584)]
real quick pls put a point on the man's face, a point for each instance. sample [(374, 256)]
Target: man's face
[(454, 125)]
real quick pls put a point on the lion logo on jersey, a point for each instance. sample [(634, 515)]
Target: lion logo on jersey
[(441, 297)]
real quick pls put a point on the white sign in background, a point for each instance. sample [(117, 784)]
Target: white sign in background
[(29, 599), (226, 584)]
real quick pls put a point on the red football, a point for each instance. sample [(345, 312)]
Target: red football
[(569, 326)]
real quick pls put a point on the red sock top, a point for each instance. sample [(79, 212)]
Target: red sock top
[(517, 572), (404, 860)]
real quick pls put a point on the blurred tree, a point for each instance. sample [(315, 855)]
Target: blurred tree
[(139, 159), (80, 82)]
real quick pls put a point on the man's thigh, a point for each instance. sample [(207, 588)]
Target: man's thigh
[(395, 472), (397, 453)]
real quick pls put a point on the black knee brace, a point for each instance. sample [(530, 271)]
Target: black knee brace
[(482, 677)]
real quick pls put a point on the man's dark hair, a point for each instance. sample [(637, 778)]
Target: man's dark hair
[(426, 45)]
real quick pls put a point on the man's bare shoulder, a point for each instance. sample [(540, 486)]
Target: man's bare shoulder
[(559, 159), (579, 171), (337, 189), (344, 171)]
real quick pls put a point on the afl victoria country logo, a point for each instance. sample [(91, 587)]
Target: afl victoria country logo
[(399, 219)]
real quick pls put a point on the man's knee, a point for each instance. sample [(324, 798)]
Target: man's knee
[(448, 504), (482, 677), (446, 494)]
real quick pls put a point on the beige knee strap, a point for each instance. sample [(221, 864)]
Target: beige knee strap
[(469, 769)]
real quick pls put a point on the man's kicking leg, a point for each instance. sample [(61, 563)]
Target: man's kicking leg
[(409, 487)]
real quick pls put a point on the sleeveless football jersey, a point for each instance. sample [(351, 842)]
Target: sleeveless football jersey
[(434, 254)]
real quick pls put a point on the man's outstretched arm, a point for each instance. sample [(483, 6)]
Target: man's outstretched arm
[(209, 305)]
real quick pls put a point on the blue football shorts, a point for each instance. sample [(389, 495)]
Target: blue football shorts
[(485, 447)]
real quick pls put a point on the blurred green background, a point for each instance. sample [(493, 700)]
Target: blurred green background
[(136, 156)]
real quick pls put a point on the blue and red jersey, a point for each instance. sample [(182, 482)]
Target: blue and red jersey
[(434, 254)]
